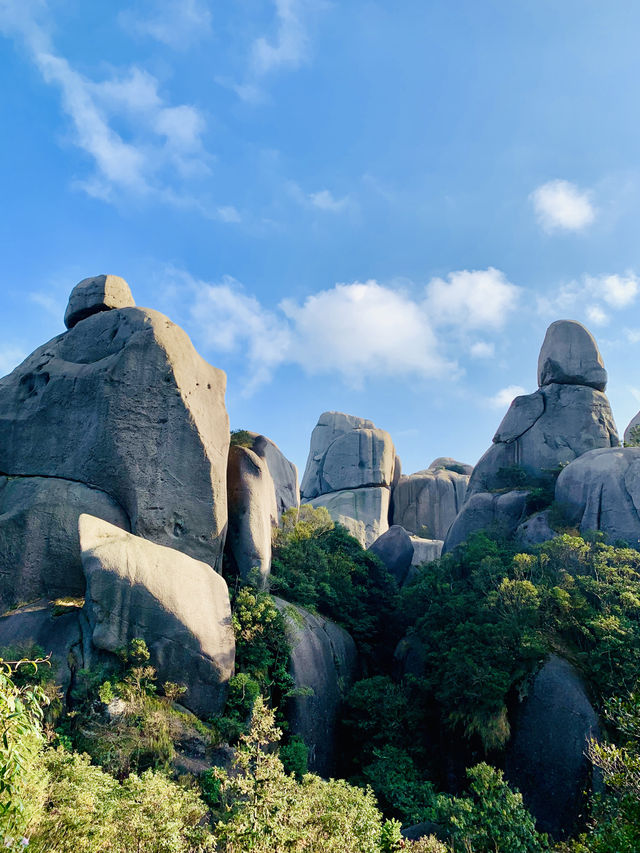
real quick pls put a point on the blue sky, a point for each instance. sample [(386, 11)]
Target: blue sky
[(375, 207)]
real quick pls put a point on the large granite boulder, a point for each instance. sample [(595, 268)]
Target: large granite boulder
[(123, 402), (252, 514), (39, 546), (545, 758), (601, 491), (632, 432), (92, 295), (395, 549), (446, 463), (501, 513), (179, 606), (323, 665), (536, 529), (428, 502), (55, 630), (425, 550), (347, 452), (570, 356), (283, 472), (364, 512)]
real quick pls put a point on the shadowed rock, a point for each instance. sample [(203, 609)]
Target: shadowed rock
[(283, 472), (570, 356), (484, 511), (395, 549), (364, 512), (92, 295), (428, 501)]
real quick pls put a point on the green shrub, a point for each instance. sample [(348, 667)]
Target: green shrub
[(241, 438)]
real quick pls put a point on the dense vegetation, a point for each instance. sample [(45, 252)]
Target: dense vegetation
[(422, 735)]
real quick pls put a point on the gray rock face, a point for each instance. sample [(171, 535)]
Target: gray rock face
[(124, 403), (503, 512), (283, 473), (601, 491), (543, 430), (39, 546), (323, 658), (395, 549), (252, 514), (425, 550), (178, 605), (364, 512), (570, 356), (92, 295), (58, 635), (449, 464), (347, 452), (545, 758), (535, 530), (428, 501), (632, 432)]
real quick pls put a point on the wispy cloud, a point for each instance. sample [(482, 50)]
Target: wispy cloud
[(593, 296), (176, 23), (482, 349), (472, 299), (162, 142), (323, 200), (561, 205), (504, 397), (597, 316)]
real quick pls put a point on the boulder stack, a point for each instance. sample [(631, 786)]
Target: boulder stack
[(428, 501)]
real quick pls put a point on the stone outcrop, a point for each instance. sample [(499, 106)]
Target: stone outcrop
[(428, 501), (570, 356), (632, 432), (601, 491), (252, 514), (446, 463), (180, 607), (323, 660), (122, 402), (502, 513), (283, 472), (536, 529), (425, 550), (351, 469), (546, 758), (93, 295), (39, 547), (364, 512), (395, 549)]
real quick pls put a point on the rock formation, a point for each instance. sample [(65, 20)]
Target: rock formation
[(501, 513), (283, 472), (546, 755), (601, 491), (323, 660), (178, 605), (252, 514), (123, 403), (428, 501), (92, 295), (566, 417), (395, 549), (351, 469)]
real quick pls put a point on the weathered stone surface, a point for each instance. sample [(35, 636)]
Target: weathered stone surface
[(324, 659), (428, 501), (100, 293), (574, 420), (179, 606), (364, 512), (124, 403), (545, 758), (503, 512), (632, 432), (450, 464), (347, 452), (570, 356), (395, 549), (535, 530), (601, 491), (283, 472), (39, 547), (252, 514), (59, 635), (425, 550)]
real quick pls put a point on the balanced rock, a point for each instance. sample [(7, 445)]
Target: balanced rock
[(395, 549), (546, 757), (570, 356), (428, 502), (92, 295), (123, 402), (601, 491), (252, 514), (39, 545), (323, 665), (446, 463), (364, 512), (179, 606), (501, 513), (283, 472)]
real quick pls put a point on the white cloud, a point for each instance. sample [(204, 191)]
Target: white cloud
[(10, 357), (471, 299), (505, 396), (290, 46), (228, 213), (632, 335), (618, 291), (325, 200), (176, 23), (597, 316), (562, 205), (162, 141), (482, 349)]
